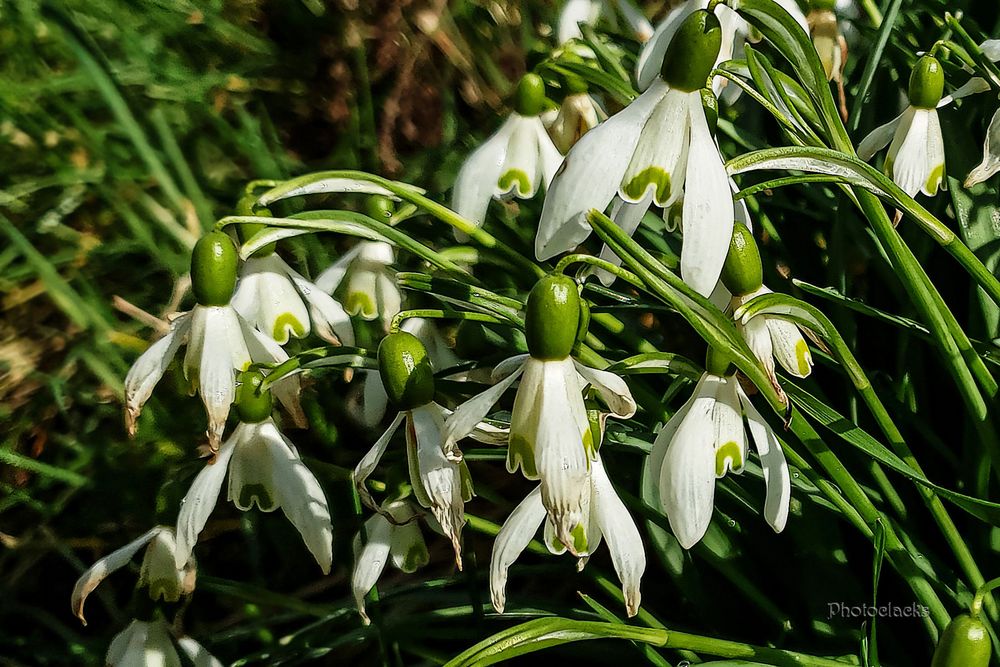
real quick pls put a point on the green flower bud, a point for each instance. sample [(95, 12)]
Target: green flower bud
[(692, 52), (552, 317), (717, 362), (213, 269), (710, 103), (252, 404), (926, 83), (406, 371), (964, 643), (742, 272), (379, 207), (529, 99)]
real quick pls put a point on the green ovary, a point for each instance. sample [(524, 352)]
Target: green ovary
[(514, 178), (803, 357), (636, 188), (287, 321), (251, 493), (728, 457)]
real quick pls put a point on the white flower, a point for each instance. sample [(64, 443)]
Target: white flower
[(575, 12), (915, 160), (771, 338), (735, 33), (578, 114), (398, 539), (369, 285), (153, 644), (604, 516), (657, 148), (703, 441), (159, 572), (264, 469), (991, 146), (513, 162), (279, 302), (550, 434), (220, 344), (439, 477)]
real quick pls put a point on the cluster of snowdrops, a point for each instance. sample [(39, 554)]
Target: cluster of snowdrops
[(659, 152)]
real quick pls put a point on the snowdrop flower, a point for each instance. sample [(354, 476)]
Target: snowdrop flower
[(769, 337), (703, 441), (657, 148), (392, 534), (439, 477), (550, 435), (605, 516), (264, 469), (735, 32), (991, 146), (915, 160), (575, 12), (159, 572), (219, 342), (154, 643), (578, 114), (281, 303), (513, 162), (366, 281)]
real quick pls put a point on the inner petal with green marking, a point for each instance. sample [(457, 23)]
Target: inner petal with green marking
[(287, 322), (728, 458), (256, 493), (657, 177), (515, 179), (803, 357)]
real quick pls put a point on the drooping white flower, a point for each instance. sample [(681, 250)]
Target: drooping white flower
[(279, 302), (219, 343), (159, 572), (153, 644), (773, 338), (392, 534), (265, 470), (438, 475), (369, 284), (702, 442), (514, 162), (550, 435), (915, 160), (589, 12), (605, 516), (991, 145), (735, 33), (578, 114), (655, 150)]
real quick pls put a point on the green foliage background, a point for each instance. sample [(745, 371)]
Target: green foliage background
[(127, 128)]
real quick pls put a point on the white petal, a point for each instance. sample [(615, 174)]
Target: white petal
[(687, 476), (251, 470), (388, 297), (302, 500), (913, 165), (611, 388), (971, 87), (550, 159), (200, 499), (878, 138), (245, 301), (128, 644), (149, 368), (159, 572), (621, 534), (991, 154), (115, 560), (654, 462), (515, 534), (330, 279), (636, 19), (790, 347), (283, 314), (708, 207), (658, 163), (374, 401), (522, 169), (730, 437), (627, 216), (370, 460), (573, 13), (647, 67), (197, 654), (332, 322), (991, 49), (508, 366), (468, 415), (371, 560), (590, 175), (478, 176), (776, 478), (159, 649), (222, 344)]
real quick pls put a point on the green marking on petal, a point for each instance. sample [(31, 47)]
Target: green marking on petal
[(579, 539), (556, 544), (415, 558), (251, 493), (934, 180), (728, 457), (520, 451), (360, 303), (589, 445), (804, 358), (659, 178), (515, 178), (284, 322)]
